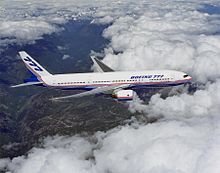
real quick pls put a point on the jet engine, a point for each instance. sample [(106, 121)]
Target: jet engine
[(123, 95)]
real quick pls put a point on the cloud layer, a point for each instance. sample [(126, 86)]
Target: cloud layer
[(145, 35), (165, 146), (167, 38), (24, 21)]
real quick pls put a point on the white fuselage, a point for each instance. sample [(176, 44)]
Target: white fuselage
[(120, 84), (87, 81)]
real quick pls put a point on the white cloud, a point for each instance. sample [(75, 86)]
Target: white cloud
[(26, 30), (25, 21), (61, 154), (172, 146), (201, 103), (66, 57), (4, 163), (166, 146), (166, 40)]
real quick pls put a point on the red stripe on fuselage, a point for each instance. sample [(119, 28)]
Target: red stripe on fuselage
[(124, 97)]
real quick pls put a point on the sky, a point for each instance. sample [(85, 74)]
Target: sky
[(157, 34)]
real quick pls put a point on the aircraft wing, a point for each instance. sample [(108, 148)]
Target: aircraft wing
[(26, 84), (101, 67), (98, 90)]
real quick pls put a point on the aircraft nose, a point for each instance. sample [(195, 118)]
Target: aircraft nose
[(190, 78), (187, 77)]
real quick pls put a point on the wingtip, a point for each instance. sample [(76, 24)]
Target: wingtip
[(92, 58), (15, 86), (53, 99), (56, 99), (21, 53)]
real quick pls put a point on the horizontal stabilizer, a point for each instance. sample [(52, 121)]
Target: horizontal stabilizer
[(26, 84), (101, 67)]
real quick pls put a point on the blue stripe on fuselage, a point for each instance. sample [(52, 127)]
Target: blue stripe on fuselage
[(78, 88), (123, 100)]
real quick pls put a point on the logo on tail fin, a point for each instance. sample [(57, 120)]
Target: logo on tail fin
[(33, 64)]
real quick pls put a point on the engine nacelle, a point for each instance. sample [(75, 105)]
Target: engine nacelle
[(123, 95)]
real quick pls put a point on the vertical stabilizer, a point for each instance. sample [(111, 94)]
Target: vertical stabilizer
[(32, 65)]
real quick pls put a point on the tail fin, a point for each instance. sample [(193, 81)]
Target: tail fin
[(33, 66)]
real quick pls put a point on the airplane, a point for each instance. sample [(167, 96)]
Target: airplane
[(119, 84)]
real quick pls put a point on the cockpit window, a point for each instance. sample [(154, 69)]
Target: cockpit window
[(185, 75)]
